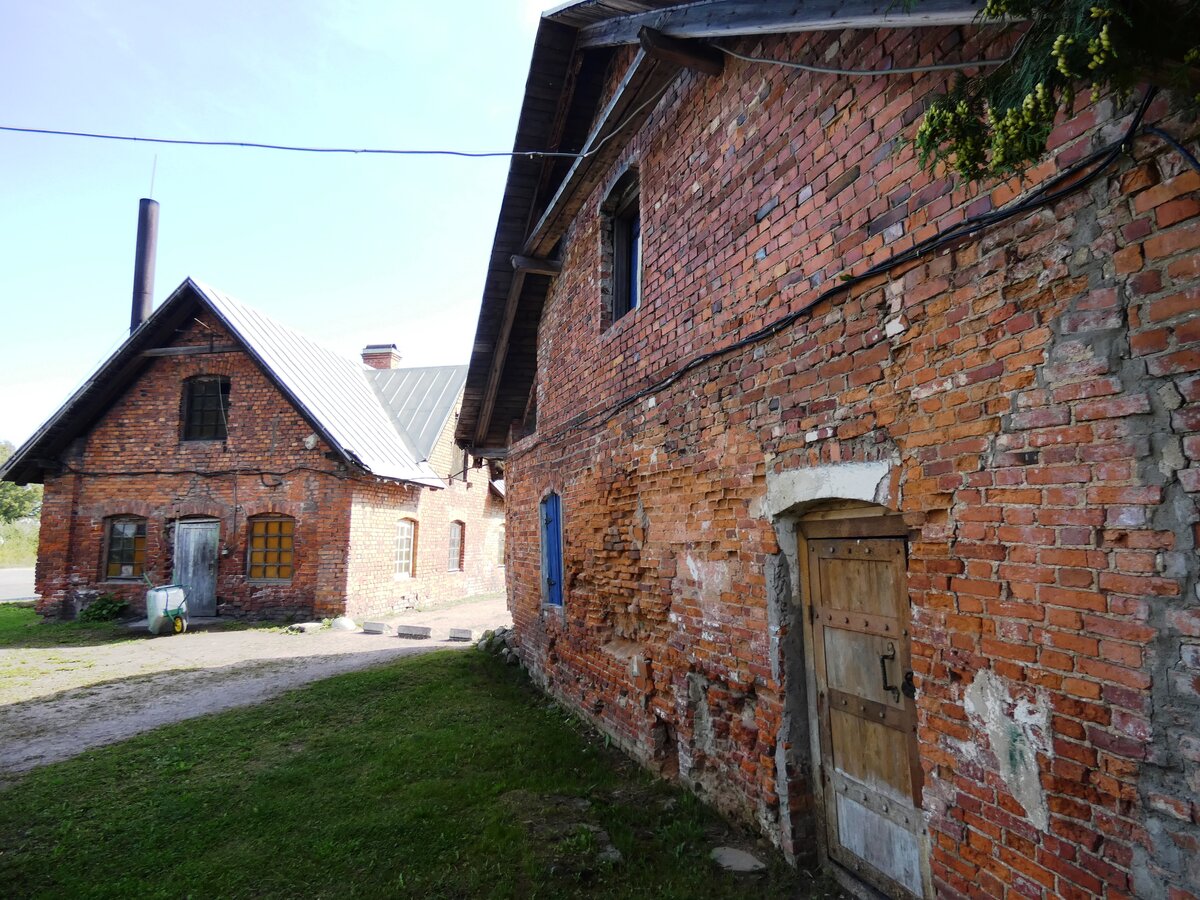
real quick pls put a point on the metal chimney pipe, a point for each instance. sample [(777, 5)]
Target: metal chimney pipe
[(143, 267)]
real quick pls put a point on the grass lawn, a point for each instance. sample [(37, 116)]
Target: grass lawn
[(443, 775), (22, 627)]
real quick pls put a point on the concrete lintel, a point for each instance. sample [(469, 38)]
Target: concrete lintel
[(867, 481)]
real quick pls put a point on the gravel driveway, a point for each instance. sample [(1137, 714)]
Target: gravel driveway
[(57, 702)]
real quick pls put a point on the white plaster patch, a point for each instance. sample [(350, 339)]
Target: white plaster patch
[(710, 579), (1016, 737), (870, 482), (893, 327)]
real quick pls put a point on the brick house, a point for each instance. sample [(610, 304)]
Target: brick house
[(273, 477), (879, 537)]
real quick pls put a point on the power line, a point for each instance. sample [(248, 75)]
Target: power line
[(589, 149)]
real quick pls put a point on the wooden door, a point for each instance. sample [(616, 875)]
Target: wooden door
[(196, 564), (866, 716)]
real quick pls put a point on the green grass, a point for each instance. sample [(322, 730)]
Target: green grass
[(18, 544), (443, 775), (22, 627)]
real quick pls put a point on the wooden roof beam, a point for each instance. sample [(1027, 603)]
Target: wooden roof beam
[(695, 55), (625, 111), (729, 18)]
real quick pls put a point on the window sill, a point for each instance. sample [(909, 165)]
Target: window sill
[(268, 581), (404, 577), (136, 579)]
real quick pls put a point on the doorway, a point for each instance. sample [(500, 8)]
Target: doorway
[(196, 545), (854, 571)]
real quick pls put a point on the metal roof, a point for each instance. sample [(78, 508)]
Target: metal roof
[(334, 390), (335, 394), (420, 400)]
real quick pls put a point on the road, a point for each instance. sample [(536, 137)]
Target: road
[(16, 584)]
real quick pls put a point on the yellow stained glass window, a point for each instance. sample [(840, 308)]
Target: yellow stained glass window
[(271, 556)]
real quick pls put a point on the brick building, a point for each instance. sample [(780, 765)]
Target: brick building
[(881, 537), (274, 478)]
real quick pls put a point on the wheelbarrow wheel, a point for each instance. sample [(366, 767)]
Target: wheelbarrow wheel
[(178, 626)]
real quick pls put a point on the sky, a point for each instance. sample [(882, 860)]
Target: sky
[(350, 250)]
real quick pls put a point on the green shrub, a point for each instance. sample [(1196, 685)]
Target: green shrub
[(104, 608)]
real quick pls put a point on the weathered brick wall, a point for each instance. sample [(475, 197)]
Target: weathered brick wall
[(1036, 391), (375, 587)]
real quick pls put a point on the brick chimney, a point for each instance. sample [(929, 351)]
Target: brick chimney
[(381, 356)]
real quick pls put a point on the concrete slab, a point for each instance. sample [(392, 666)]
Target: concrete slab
[(414, 632), (377, 628), (461, 634)]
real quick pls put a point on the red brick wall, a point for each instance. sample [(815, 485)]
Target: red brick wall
[(374, 585), (1036, 390)]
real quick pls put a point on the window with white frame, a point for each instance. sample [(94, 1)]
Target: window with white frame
[(406, 548), (457, 546)]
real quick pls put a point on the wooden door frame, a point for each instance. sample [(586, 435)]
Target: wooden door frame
[(838, 520)]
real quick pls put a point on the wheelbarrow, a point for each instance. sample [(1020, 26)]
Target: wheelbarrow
[(166, 609)]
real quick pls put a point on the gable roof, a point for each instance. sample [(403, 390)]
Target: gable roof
[(419, 400), (337, 396), (566, 109)]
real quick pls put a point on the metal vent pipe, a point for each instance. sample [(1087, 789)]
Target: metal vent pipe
[(143, 267)]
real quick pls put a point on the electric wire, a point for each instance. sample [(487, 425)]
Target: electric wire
[(868, 73), (587, 151), (1042, 196)]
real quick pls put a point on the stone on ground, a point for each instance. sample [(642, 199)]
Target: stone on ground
[(417, 632), (305, 627), (737, 860), (376, 627), (461, 634), (344, 623)]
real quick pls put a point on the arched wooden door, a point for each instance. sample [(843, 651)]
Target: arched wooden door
[(857, 597)]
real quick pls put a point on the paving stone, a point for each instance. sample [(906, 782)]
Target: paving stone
[(461, 634)]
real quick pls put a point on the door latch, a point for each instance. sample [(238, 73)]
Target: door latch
[(884, 659)]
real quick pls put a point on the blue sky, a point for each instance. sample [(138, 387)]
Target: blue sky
[(349, 250)]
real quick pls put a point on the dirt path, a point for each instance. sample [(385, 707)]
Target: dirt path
[(58, 702)]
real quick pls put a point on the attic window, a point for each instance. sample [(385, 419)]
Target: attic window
[(206, 408), (622, 215)]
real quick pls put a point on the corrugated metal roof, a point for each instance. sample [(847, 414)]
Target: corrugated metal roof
[(420, 400), (335, 391)]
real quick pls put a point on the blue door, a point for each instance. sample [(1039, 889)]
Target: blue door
[(552, 549)]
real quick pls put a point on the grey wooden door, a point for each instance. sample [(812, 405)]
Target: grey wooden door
[(196, 564), (866, 716)]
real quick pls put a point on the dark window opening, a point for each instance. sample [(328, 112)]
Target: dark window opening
[(624, 234), (206, 408)]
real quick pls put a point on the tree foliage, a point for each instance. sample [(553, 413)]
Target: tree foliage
[(997, 124), (17, 502)]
